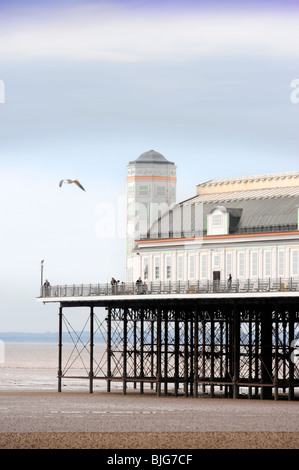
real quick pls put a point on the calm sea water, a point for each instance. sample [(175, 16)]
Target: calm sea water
[(33, 367)]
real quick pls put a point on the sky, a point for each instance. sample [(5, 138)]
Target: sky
[(87, 86)]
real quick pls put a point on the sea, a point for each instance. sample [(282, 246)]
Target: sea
[(32, 366)]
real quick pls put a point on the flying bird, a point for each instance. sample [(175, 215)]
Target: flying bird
[(71, 181)]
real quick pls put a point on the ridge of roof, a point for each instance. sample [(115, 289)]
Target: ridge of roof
[(236, 179), (254, 194)]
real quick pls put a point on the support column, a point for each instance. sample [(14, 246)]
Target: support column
[(191, 354), (266, 354), (159, 355), (212, 349), (276, 345), (196, 354), (250, 352), (91, 351), (227, 388), (256, 348), (59, 372), (152, 351), (236, 351), (203, 362), (165, 351), (186, 355), (291, 360)]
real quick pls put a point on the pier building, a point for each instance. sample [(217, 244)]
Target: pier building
[(217, 309)]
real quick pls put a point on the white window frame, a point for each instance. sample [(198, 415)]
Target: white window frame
[(254, 263), (145, 262), (160, 193), (267, 263), (281, 258), (168, 267), (294, 262), (203, 265), (216, 260), (217, 220), (144, 192), (241, 264), (157, 264), (180, 267), (229, 263), (191, 266)]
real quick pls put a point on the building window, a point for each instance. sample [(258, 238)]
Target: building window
[(267, 263), (216, 262), (130, 190), (294, 263), (203, 264), (229, 264), (145, 268), (191, 266), (157, 267), (281, 263), (168, 267), (241, 264), (143, 190), (254, 263), (161, 191), (217, 220), (180, 267)]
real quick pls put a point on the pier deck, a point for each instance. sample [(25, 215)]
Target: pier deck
[(188, 339)]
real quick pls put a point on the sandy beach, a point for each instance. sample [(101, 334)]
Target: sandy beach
[(51, 420)]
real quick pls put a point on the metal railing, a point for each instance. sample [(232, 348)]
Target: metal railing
[(178, 287)]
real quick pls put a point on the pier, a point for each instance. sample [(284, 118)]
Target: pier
[(193, 339)]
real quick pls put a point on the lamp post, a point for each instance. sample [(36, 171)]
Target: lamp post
[(42, 272)]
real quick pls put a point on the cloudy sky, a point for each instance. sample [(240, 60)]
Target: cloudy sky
[(87, 86)]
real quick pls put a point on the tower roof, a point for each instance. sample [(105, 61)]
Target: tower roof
[(151, 156)]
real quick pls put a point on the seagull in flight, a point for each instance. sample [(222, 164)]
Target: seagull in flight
[(71, 181)]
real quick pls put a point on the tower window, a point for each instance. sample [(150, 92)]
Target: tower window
[(143, 190), (160, 190)]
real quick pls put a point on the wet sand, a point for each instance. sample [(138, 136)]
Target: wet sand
[(150, 440), (37, 420)]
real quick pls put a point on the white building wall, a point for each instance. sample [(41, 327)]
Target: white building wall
[(234, 250)]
